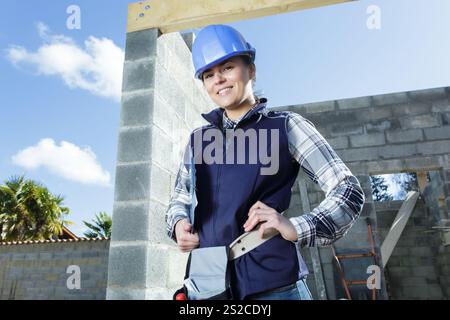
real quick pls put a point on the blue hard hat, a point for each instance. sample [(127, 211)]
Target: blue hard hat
[(217, 43)]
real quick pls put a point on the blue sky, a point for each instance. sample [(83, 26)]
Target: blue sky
[(60, 107)]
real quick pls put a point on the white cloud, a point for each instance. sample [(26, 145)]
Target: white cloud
[(97, 68), (66, 160)]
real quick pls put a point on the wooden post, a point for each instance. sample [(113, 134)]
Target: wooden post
[(314, 251), (422, 180)]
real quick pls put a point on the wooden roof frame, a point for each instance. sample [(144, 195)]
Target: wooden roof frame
[(176, 15)]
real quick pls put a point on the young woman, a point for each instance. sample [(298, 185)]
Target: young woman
[(234, 198)]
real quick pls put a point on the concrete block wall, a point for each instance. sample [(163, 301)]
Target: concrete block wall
[(161, 104), (413, 268), (315, 196), (443, 266), (432, 196), (327, 272), (419, 267), (445, 178), (390, 133), (386, 133), (355, 241), (38, 271)]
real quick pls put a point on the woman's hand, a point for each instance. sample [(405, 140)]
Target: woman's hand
[(186, 240), (270, 218)]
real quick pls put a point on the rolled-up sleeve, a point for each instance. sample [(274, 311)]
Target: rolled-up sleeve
[(180, 201), (344, 197)]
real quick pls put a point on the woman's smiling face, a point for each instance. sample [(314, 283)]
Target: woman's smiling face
[(229, 83)]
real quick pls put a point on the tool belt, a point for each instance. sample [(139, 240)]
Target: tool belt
[(207, 275)]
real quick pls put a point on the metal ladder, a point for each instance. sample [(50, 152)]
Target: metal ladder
[(364, 254)]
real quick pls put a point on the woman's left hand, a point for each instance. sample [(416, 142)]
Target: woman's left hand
[(270, 218)]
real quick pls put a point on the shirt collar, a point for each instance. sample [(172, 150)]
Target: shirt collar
[(218, 117), (227, 123)]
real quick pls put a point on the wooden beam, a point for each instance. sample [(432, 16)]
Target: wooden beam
[(398, 225), (176, 15), (422, 180)]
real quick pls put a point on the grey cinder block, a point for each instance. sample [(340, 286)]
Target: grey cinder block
[(359, 154), (391, 98), (160, 185), (398, 151), (162, 149), (354, 103), (157, 266), (141, 44), (427, 94), (132, 182), (382, 125), (437, 133), (414, 108), (440, 106), (319, 107), (169, 90), (338, 142), (421, 121), (135, 145), (125, 294), (435, 147), (367, 140), (127, 265), (138, 75), (137, 109), (372, 114), (345, 129), (157, 232), (130, 222), (400, 136)]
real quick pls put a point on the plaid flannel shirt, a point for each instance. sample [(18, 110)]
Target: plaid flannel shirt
[(331, 219)]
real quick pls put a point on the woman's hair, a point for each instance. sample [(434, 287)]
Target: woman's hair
[(248, 62)]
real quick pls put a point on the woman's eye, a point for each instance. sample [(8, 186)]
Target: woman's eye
[(228, 68), (207, 76)]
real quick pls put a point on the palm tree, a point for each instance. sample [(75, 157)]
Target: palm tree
[(101, 227), (28, 211), (380, 189), (407, 182)]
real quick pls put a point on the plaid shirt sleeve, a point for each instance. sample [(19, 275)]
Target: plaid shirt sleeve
[(180, 200), (344, 197)]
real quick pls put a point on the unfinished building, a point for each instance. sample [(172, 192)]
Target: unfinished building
[(392, 133)]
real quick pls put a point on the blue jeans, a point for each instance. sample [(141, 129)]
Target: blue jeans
[(299, 292)]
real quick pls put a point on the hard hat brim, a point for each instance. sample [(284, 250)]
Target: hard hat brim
[(249, 53)]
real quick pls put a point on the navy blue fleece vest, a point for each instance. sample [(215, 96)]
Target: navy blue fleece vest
[(225, 193)]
